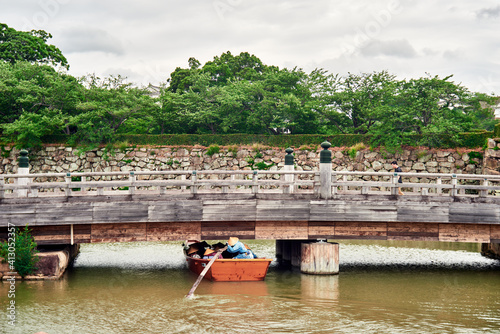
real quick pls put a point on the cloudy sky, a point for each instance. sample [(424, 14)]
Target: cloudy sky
[(146, 40)]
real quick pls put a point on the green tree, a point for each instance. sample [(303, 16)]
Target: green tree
[(110, 106), (322, 87), (435, 109), (27, 131), (361, 97), (228, 67), (23, 247), (30, 95), (29, 46)]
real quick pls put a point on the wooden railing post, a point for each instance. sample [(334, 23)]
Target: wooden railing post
[(334, 178), (453, 190), (2, 190), (255, 179), (183, 178), (289, 166), (23, 168), (194, 186), (316, 185), (325, 171), (439, 181), (131, 178), (484, 193), (67, 179), (394, 181)]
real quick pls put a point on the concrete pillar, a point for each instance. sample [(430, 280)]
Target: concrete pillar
[(289, 166), (287, 252), (491, 250), (325, 171), (320, 258), (24, 168), (279, 251), (296, 252)]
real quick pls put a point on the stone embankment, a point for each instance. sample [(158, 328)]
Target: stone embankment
[(492, 157), (51, 266), (58, 159)]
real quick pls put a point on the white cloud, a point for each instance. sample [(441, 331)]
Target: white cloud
[(147, 40), (487, 13), (88, 39), (394, 48)]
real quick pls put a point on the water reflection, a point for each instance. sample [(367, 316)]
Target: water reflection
[(234, 288), (140, 287), (319, 287)]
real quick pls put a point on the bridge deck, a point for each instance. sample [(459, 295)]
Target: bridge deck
[(156, 210)]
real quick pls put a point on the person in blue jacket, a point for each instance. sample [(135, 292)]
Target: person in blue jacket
[(235, 246)]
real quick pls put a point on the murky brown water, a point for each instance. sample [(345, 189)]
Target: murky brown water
[(383, 287)]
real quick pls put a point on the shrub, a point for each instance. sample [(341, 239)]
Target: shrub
[(213, 149), (262, 165), (475, 155), (465, 139), (233, 149), (421, 154), (355, 148), (23, 247)]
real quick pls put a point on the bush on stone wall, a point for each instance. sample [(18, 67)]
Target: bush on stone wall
[(467, 140)]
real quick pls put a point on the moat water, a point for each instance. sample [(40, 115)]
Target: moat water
[(383, 287)]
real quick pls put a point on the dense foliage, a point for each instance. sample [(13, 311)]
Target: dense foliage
[(20, 252), (28, 46), (232, 94)]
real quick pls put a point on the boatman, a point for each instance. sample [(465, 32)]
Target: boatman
[(235, 246)]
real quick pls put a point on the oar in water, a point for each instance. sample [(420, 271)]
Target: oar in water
[(195, 285)]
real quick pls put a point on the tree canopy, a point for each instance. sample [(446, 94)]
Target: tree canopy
[(29, 46), (227, 95)]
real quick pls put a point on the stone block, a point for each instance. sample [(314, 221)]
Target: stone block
[(471, 169), (376, 165), (491, 143), (418, 166), (442, 154)]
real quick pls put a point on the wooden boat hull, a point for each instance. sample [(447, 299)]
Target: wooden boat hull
[(231, 270)]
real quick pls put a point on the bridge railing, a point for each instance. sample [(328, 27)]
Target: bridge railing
[(226, 181), (112, 183), (416, 183)]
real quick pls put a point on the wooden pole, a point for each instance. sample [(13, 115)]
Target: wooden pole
[(325, 171), (320, 258), (202, 274)]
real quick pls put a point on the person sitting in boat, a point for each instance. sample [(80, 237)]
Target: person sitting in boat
[(193, 252), (225, 253), (210, 253), (236, 247)]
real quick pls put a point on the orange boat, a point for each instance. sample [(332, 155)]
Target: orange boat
[(230, 270)]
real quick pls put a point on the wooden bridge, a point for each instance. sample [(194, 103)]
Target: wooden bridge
[(71, 208)]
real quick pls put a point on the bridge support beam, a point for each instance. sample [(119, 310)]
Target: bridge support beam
[(288, 252), (491, 250), (320, 258)]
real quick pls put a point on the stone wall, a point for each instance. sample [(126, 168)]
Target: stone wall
[(67, 159), (492, 157)]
